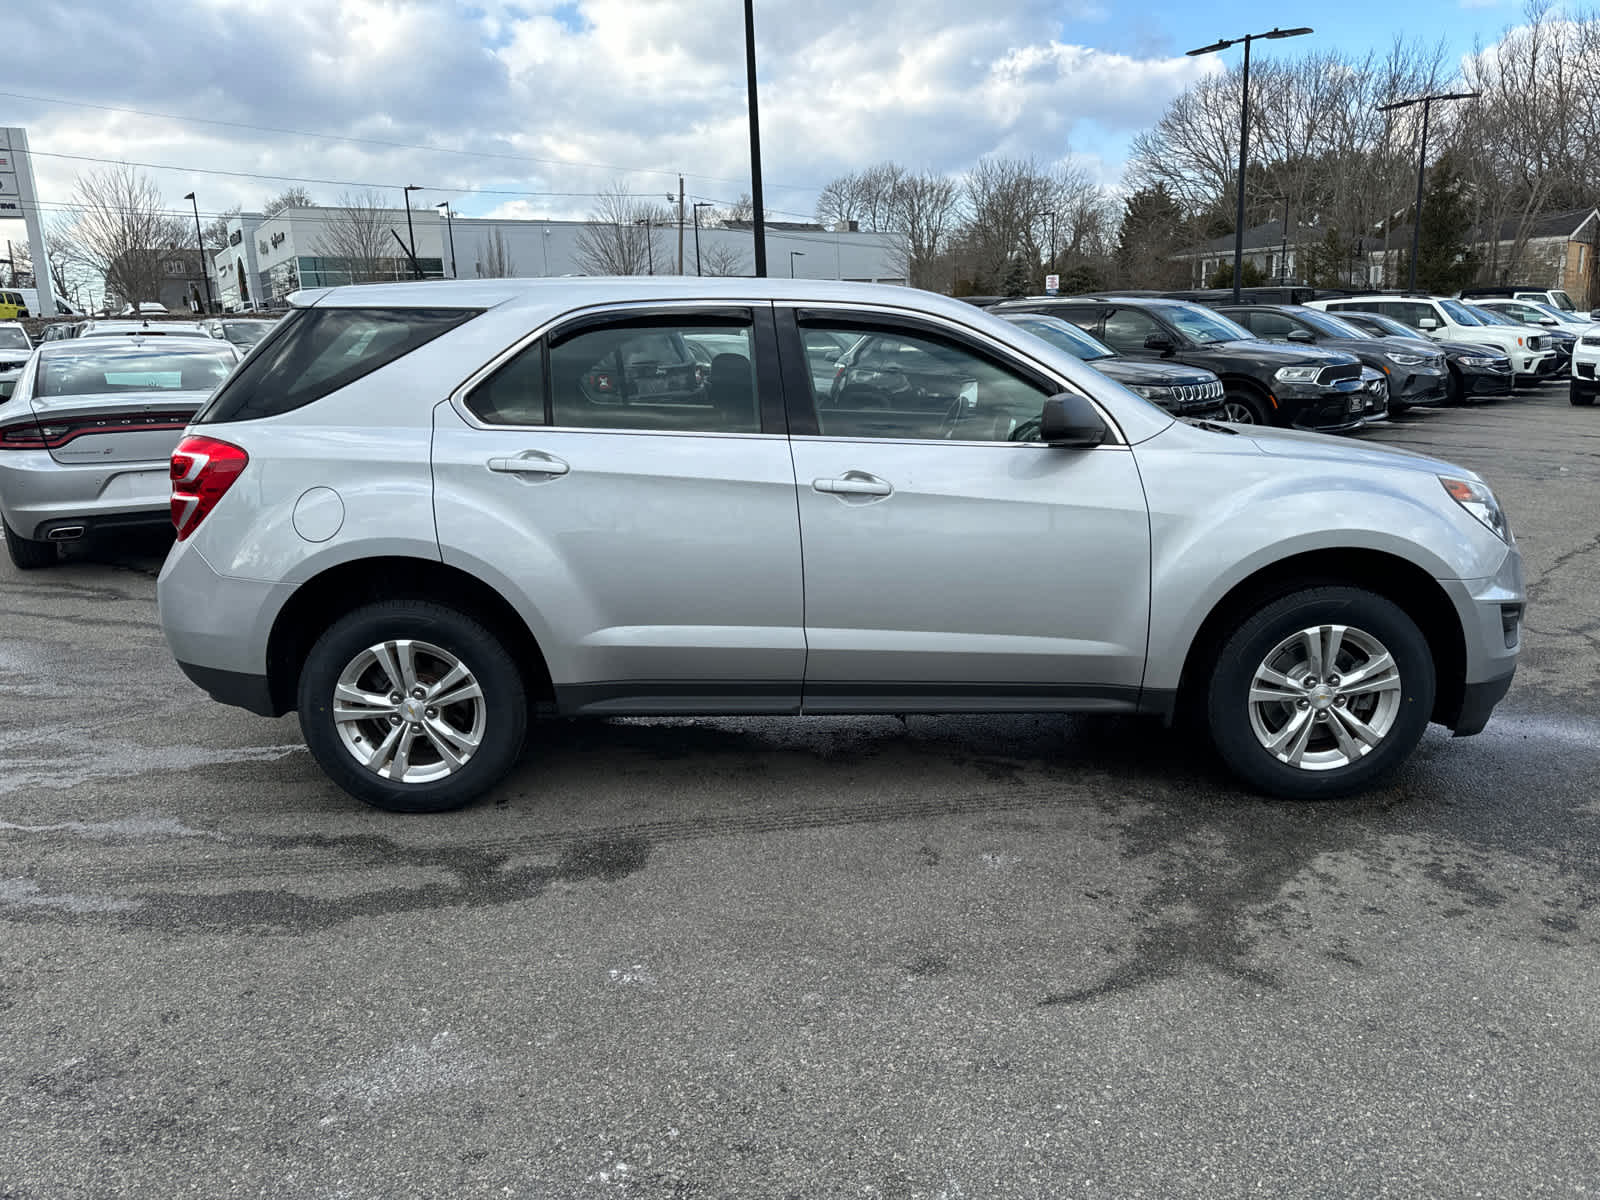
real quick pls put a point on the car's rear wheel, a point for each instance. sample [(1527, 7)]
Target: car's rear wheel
[(1242, 408), (28, 554), (1581, 398), (412, 706), (1321, 693)]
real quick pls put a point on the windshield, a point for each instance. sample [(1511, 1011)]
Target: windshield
[(1488, 316), (1388, 325), (246, 333), (1063, 335), (1203, 326), (12, 338), (103, 372), (1566, 318), (1330, 324), (1561, 300), (1458, 313)]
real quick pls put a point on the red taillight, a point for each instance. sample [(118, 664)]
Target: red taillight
[(203, 469)]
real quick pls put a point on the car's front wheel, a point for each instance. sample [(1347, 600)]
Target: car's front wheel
[(1242, 408), (1580, 397), (1321, 693), (412, 706), (28, 554)]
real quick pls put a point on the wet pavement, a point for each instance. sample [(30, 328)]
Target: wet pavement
[(945, 957)]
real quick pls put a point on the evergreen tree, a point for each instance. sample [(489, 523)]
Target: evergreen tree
[(1082, 278), (1152, 224), (1019, 279), (1445, 259), (1223, 276)]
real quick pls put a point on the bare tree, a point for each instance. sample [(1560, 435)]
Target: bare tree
[(723, 259), (357, 234), (293, 196), (116, 232), (216, 229), (620, 237), (495, 261), (929, 207)]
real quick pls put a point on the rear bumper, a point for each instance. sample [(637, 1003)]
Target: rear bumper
[(252, 693), (218, 627), (39, 494)]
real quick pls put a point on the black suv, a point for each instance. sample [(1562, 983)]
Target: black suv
[(1265, 383), (1182, 391), (1416, 377)]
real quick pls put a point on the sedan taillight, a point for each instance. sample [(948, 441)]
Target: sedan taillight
[(203, 469)]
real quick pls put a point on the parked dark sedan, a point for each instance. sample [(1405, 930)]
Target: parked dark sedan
[(1182, 391), (1475, 370), (1416, 376), (1264, 383)]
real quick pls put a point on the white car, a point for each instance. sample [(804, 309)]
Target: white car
[(15, 345), (1533, 312), (1586, 367), (1446, 320), (116, 328)]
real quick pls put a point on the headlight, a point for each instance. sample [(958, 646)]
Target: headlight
[(1478, 500), (1405, 360), (1478, 362), (1297, 374), (1148, 392)]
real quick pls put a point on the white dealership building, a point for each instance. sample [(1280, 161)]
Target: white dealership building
[(267, 258)]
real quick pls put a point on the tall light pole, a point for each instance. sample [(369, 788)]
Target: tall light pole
[(794, 254), (1244, 135), (758, 220), (198, 241), (451, 226), (649, 240), (1422, 163), (410, 232), (698, 205)]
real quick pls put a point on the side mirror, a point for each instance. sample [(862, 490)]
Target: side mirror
[(1071, 421), (1159, 342), (1427, 323), (1301, 335), (1547, 320)]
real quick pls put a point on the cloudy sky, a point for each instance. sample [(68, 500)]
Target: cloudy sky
[(528, 108)]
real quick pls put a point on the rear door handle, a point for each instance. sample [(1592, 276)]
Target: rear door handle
[(854, 483), (530, 462)]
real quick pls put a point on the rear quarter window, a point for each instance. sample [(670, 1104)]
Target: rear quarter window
[(316, 351)]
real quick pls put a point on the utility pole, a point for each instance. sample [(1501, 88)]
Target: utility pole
[(1422, 163), (680, 224), (450, 225), (410, 232), (758, 223), (199, 241)]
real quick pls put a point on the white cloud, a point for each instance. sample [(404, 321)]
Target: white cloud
[(611, 88)]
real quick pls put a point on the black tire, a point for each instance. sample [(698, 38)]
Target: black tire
[(27, 554), (505, 705), (1239, 404), (1455, 390), (1580, 398), (1227, 701)]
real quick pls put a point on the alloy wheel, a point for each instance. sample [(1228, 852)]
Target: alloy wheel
[(409, 711), (1238, 412), (1324, 697)]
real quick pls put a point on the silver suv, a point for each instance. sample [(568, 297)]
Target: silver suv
[(422, 514)]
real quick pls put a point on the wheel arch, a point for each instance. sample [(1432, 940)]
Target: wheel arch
[(325, 597), (1395, 578)]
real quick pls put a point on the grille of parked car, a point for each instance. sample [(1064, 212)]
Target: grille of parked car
[(1591, 339), (1331, 375)]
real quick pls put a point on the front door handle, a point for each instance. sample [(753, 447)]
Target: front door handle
[(853, 483), (530, 462)]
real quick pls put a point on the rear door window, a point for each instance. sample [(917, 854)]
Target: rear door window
[(1126, 330), (316, 351)]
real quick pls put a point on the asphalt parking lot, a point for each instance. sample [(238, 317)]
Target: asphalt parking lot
[(951, 957)]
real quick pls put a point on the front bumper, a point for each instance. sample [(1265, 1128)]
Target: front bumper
[(1492, 611), (1418, 387), (1323, 408), (1485, 381), (39, 495)]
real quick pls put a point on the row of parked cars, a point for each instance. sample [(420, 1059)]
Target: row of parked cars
[(1330, 365)]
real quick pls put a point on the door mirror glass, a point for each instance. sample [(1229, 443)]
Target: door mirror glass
[(1300, 335), (1070, 421)]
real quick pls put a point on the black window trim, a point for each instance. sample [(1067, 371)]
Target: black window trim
[(801, 396), (758, 315)]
